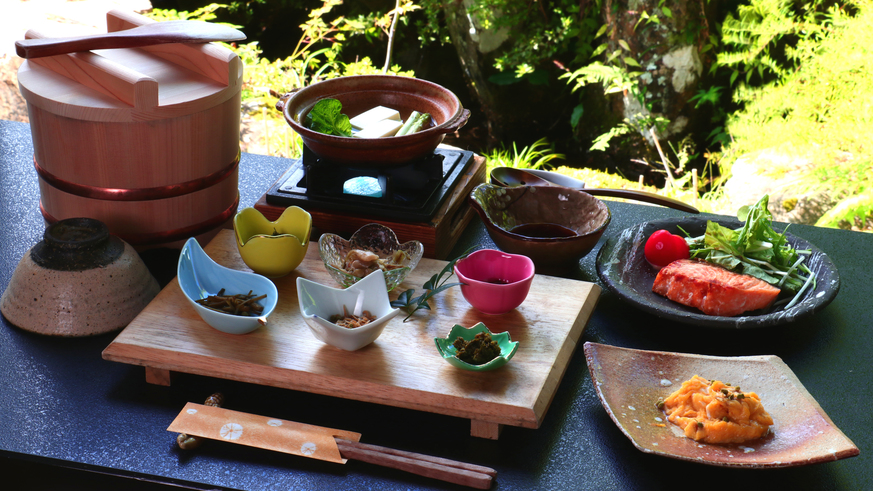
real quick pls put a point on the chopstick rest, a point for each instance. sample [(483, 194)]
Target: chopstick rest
[(217, 423), (190, 442), (320, 443)]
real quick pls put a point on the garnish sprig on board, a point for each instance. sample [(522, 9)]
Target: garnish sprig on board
[(756, 249), (436, 284)]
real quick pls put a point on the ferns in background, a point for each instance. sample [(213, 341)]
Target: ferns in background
[(820, 101), (536, 156)]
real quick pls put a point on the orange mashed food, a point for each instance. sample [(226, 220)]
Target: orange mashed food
[(713, 412)]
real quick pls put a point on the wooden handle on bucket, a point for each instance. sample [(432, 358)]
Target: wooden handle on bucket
[(174, 31)]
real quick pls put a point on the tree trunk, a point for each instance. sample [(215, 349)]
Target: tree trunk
[(517, 113), (473, 62), (670, 53), (669, 49)]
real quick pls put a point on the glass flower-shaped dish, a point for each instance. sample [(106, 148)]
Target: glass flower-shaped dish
[(446, 347), (396, 260)]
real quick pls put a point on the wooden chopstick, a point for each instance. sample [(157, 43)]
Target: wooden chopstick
[(417, 456), (452, 471)]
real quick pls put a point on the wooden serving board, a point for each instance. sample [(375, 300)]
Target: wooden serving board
[(401, 368)]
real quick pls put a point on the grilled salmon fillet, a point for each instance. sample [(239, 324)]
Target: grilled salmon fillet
[(713, 289)]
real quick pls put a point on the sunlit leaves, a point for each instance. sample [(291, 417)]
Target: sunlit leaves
[(708, 96), (762, 29), (613, 78), (535, 156), (823, 110), (630, 61), (539, 31)]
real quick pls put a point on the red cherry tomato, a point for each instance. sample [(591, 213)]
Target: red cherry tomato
[(663, 248)]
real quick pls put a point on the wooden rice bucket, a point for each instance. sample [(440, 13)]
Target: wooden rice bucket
[(145, 140)]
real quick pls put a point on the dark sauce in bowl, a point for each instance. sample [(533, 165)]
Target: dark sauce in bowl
[(543, 230)]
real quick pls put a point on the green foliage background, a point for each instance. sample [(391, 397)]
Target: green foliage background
[(820, 103), (787, 72)]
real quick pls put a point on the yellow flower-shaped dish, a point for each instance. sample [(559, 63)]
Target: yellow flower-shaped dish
[(272, 249)]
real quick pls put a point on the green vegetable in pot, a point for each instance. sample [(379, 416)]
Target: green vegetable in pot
[(408, 124), (327, 117), (413, 124)]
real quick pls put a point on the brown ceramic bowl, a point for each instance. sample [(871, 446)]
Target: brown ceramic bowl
[(78, 281), (363, 92), (504, 209)]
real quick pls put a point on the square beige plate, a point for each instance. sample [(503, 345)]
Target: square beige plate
[(629, 383)]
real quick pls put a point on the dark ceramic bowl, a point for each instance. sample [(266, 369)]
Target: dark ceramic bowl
[(363, 92), (503, 209), (621, 265)]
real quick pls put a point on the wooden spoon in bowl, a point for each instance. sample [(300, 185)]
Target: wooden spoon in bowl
[(172, 31), (509, 176)]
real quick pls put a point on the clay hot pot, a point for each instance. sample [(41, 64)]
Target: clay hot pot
[(363, 92)]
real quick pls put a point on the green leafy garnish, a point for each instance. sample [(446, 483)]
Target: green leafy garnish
[(327, 117), (755, 249), (436, 284)]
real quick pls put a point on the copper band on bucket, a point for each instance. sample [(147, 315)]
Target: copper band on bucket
[(139, 194), (167, 236)]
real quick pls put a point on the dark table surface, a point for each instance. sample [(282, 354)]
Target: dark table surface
[(71, 420)]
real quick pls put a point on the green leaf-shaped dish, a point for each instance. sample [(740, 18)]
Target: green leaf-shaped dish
[(508, 347)]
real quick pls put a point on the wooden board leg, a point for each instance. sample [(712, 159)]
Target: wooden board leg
[(485, 429), (158, 376)]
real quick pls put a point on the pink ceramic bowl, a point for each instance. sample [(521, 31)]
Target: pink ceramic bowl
[(493, 281)]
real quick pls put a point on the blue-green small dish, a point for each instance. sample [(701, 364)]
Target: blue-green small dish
[(508, 347)]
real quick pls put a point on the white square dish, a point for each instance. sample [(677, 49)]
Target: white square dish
[(318, 303)]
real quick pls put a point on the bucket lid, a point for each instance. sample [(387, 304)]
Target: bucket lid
[(131, 84)]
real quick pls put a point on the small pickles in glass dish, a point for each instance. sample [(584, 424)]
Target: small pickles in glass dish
[(373, 247)]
